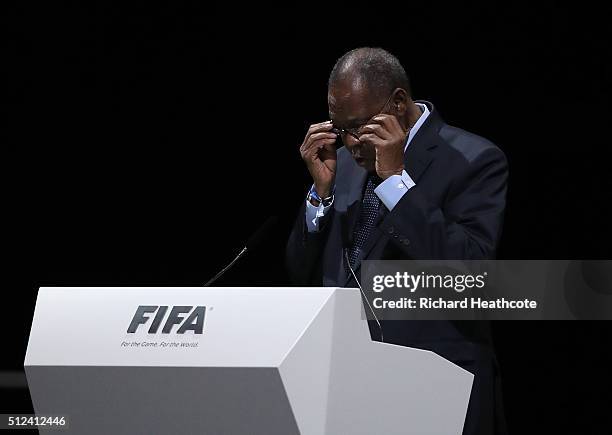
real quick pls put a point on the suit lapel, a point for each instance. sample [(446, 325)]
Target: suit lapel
[(419, 154), (417, 159)]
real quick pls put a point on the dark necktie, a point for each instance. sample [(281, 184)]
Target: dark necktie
[(367, 218)]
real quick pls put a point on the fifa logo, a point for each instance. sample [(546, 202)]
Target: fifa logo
[(189, 318)]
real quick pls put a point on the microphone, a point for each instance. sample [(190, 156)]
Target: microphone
[(256, 238), (365, 298)]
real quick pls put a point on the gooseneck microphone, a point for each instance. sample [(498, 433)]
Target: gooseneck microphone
[(256, 238), (365, 298)]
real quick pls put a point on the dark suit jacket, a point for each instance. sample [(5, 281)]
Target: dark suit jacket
[(455, 211)]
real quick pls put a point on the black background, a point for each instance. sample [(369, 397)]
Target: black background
[(147, 142)]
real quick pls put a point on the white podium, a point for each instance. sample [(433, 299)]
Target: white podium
[(231, 361)]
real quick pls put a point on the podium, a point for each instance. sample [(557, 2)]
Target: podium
[(231, 361)]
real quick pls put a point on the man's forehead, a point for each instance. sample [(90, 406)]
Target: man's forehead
[(348, 102), (346, 90)]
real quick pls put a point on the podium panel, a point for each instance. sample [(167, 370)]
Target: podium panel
[(231, 361)]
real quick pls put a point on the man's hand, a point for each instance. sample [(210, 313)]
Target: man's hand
[(385, 133), (319, 154)]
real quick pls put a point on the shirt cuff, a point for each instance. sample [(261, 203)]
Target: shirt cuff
[(394, 188), (314, 215)]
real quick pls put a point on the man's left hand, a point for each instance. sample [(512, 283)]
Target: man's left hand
[(385, 133)]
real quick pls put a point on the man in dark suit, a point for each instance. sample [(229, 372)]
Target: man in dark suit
[(405, 186)]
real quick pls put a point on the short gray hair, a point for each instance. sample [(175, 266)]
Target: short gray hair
[(380, 70)]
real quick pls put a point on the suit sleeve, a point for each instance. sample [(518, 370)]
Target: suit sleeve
[(304, 250), (468, 226)]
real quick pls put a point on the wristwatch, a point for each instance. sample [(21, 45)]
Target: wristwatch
[(314, 198)]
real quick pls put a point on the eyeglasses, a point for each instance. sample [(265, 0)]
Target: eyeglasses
[(355, 130)]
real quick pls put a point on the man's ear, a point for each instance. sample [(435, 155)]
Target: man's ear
[(400, 100)]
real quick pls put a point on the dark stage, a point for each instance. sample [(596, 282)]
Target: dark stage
[(147, 142)]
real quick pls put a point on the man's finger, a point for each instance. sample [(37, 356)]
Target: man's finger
[(316, 128), (316, 146), (372, 139), (378, 129), (322, 126), (389, 121), (315, 137)]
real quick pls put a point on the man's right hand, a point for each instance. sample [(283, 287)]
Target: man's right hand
[(319, 154)]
